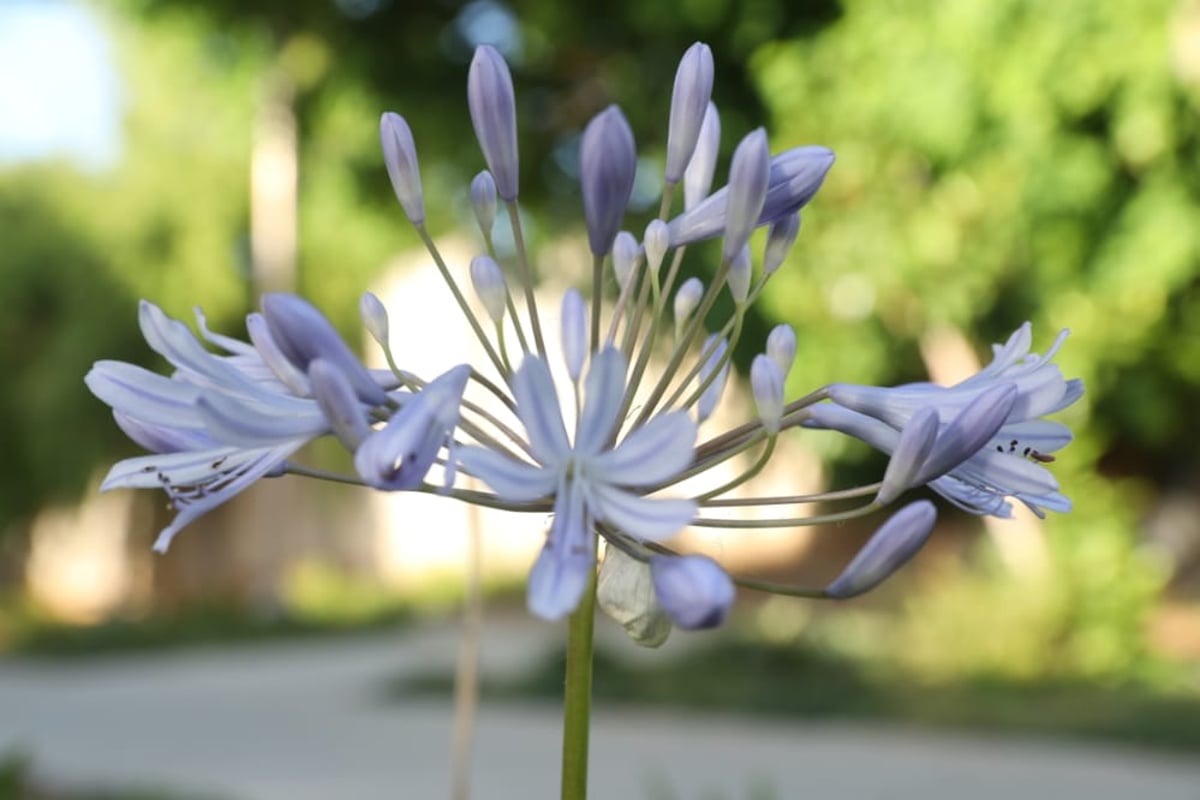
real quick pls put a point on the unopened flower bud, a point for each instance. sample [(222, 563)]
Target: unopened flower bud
[(698, 177), (607, 165), (302, 334), (400, 157), (748, 175), (375, 318), (794, 177), (890, 548), (489, 285), (625, 591), (494, 115), (625, 254), (766, 382), (912, 449), (574, 332), (657, 240), (337, 401), (689, 101), (694, 591), (781, 347), (483, 200), (969, 431), (780, 238), (687, 298), (740, 275)]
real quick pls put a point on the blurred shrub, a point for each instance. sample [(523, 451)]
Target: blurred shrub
[(62, 311), (1004, 160)]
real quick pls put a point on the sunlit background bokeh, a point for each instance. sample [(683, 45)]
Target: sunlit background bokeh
[(998, 161)]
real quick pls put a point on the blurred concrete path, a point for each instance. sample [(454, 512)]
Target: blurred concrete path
[(304, 721)]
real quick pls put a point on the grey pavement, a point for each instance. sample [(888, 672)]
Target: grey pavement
[(306, 721)]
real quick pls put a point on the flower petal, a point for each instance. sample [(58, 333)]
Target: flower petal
[(513, 480), (650, 455), (604, 390), (562, 570), (651, 519), (537, 406)]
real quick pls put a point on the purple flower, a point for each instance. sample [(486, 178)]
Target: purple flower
[(608, 162), (689, 102), (795, 176), (494, 115), (694, 591), (890, 548), (400, 158)]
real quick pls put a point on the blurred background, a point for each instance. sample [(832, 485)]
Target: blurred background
[(998, 161)]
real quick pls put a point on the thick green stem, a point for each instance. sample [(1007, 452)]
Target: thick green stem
[(577, 697)]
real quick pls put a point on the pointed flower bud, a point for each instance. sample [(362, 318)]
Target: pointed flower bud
[(707, 403), (748, 175), (766, 381), (375, 318), (607, 166), (689, 101), (303, 334), (397, 456), (494, 116), (698, 177), (795, 176), (896, 541), (337, 401), (780, 238), (694, 591), (489, 285), (625, 254), (574, 332), (400, 157), (625, 591), (912, 449), (687, 298), (781, 347), (657, 240), (483, 200), (969, 431), (740, 275)]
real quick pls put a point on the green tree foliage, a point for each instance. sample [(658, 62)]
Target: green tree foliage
[(1004, 161), (62, 311)]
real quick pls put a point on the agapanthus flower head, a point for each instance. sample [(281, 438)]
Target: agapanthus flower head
[(612, 451)]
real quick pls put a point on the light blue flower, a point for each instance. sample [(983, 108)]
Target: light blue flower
[(591, 480), (1007, 462), (223, 420)]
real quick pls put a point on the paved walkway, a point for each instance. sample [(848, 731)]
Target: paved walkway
[(305, 721)]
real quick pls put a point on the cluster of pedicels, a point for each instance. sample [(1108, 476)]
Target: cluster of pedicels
[(614, 451)]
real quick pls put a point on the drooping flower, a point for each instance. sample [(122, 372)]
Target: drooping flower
[(1002, 453), (216, 425)]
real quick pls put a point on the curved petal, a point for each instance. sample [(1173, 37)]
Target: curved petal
[(144, 395), (604, 390), (562, 570), (252, 425), (650, 455), (537, 406), (651, 519), (513, 480)]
